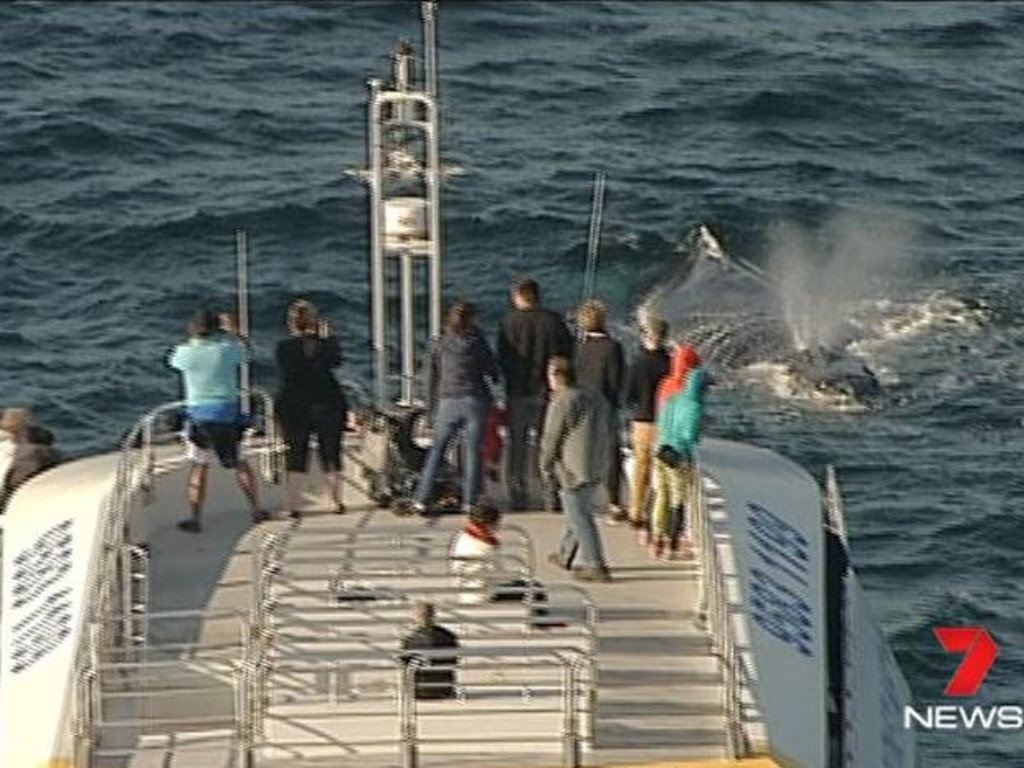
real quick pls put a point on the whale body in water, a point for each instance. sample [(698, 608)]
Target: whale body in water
[(731, 312)]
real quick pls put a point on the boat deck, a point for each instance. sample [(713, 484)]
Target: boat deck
[(331, 695)]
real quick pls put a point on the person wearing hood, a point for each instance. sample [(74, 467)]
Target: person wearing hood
[(679, 425), (461, 367), (684, 359)]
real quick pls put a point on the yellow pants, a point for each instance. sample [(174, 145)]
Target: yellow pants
[(671, 495), (644, 436)]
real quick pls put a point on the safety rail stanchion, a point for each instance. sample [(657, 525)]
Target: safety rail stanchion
[(85, 714), (570, 720), (134, 596), (92, 695), (407, 712), (244, 730)]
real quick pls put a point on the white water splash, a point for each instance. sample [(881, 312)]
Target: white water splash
[(821, 275)]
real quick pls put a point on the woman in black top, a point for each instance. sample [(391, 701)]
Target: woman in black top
[(310, 402)]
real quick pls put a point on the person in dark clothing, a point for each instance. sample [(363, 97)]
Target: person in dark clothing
[(645, 374), (310, 402), (460, 367), (434, 677), (529, 336), (601, 366)]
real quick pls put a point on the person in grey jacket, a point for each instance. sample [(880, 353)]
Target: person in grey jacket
[(574, 450), (461, 366)]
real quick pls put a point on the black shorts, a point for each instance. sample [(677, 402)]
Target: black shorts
[(327, 422), (223, 438)]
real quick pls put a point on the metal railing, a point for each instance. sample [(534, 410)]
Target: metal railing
[(121, 587), (716, 613), (297, 619), (547, 685), (119, 692), (835, 512)]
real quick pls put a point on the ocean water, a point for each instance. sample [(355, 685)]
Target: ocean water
[(869, 153)]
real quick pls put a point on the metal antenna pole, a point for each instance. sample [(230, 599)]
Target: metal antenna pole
[(429, 9), (594, 237), (242, 265), (433, 170), (378, 324)]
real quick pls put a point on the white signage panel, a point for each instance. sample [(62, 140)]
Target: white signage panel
[(774, 518)]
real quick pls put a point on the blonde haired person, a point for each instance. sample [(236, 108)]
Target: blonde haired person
[(25, 451), (310, 401)]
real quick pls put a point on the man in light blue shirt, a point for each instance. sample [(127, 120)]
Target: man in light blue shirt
[(209, 363)]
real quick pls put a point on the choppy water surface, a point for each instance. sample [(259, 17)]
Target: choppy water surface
[(878, 142)]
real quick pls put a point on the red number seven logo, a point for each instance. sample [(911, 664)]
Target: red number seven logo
[(980, 652)]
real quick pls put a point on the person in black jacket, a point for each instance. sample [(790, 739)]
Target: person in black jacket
[(645, 374), (530, 335), (310, 401), (601, 366), (434, 676), (460, 367)]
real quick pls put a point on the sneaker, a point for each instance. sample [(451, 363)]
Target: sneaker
[(600, 575), (683, 546), (616, 515), (403, 507), (190, 525), (294, 515), (556, 560), (655, 546), (643, 537), (260, 516)]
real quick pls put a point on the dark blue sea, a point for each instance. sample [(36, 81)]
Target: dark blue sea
[(881, 143)]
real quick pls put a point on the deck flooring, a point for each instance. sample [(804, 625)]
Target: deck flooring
[(659, 688)]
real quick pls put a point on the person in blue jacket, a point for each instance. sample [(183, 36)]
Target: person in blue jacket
[(680, 425)]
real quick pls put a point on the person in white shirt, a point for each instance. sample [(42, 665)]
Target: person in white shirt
[(473, 554)]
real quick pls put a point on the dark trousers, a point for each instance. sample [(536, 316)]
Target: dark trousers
[(525, 415), (614, 482)]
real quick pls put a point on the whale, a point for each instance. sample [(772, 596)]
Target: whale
[(729, 310)]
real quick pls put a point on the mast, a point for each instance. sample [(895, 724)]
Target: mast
[(405, 215)]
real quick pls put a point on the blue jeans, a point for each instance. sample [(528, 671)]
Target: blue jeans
[(452, 413), (581, 540)]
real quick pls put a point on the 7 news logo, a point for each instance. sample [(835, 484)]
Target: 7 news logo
[(979, 651)]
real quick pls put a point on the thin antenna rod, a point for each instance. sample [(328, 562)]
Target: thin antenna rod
[(594, 237), (242, 266), (429, 9)]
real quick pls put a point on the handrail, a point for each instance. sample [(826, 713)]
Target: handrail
[(135, 470), (717, 615), (569, 689), (835, 513)]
